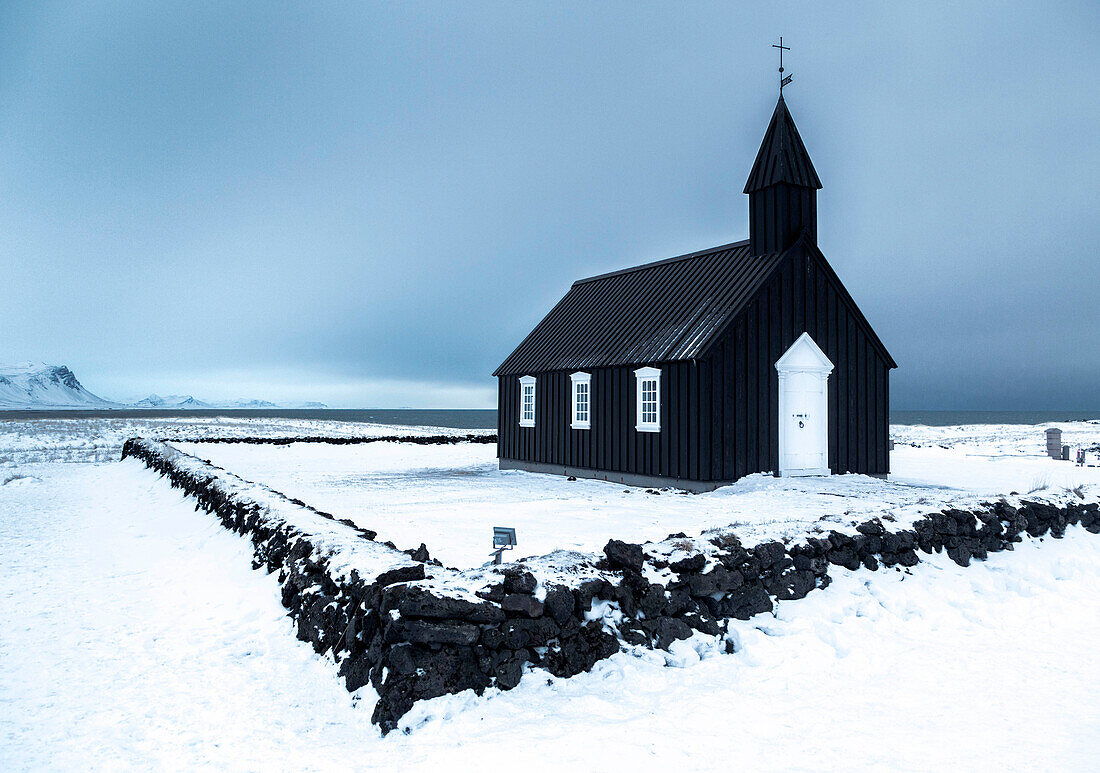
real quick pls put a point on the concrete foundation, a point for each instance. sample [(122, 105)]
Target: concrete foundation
[(625, 478)]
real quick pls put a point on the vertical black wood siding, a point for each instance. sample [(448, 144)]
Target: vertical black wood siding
[(777, 214), (719, 414)]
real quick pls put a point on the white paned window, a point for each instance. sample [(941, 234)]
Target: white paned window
[(527, 401), (649, 399), (582, 400)]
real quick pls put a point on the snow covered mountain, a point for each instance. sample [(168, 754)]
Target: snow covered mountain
[(187, 402), (170, 402), (247, 404), (264, 404), (38, 385)]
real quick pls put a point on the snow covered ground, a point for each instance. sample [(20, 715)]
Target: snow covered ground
[(24, 441), (133, 634), (1000, 439), (450, 497)]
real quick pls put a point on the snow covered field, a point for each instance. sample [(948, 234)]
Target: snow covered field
[(450, 497), (133, 633), (1000, 439), (24, 441)]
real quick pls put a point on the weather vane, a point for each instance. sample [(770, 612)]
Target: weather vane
[(782, 81)]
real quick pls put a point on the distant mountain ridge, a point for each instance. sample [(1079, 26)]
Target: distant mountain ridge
[(37, 385), (40, 386), (169, 401)]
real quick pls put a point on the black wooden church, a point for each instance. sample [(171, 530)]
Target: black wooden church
[(697, 370)]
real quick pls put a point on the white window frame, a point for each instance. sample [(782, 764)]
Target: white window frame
[(642, 375), (524, 383), (581, 380)]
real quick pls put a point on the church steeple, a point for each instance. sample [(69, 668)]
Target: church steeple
[(782, 187)]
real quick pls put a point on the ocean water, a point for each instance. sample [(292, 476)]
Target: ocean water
[(487, 419)]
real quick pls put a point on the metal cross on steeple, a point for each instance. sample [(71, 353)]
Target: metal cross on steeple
[(782, 81)]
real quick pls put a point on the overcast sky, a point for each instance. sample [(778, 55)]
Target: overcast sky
[(371, 204)]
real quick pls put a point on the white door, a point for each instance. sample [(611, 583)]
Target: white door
[(803, 415), (804, 409)]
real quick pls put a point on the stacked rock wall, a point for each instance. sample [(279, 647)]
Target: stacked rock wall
[(702, 590), (421, 440), (397, 619), (414, 629)]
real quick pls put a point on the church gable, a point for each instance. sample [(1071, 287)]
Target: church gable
[(817, 286), (823, 266), (802, 296)]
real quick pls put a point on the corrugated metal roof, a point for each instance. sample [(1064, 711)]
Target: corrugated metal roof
[(782, 157), (656, 312)]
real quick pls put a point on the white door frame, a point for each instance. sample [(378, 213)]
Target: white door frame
[(804, 356)]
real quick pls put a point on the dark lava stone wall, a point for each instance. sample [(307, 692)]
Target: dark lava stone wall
[(413, 640), (420, 440), (396, 631)]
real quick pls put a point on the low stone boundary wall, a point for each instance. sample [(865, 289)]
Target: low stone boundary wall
[(397, 619), (414, 629), (422, 440)]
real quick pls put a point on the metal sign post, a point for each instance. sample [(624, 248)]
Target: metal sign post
[(504, 538)]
